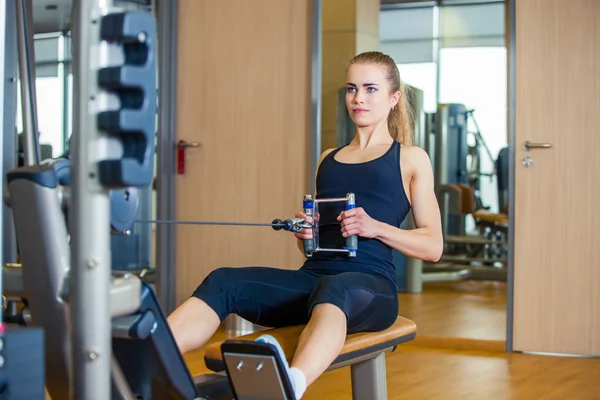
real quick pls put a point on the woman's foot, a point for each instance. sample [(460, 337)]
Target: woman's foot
[(296, 376)]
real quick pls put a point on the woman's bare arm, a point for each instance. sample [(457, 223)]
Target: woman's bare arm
[(426, 242)]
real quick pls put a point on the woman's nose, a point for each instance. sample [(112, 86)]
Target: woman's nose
[(359, 97)]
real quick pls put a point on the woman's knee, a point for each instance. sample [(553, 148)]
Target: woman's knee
[(367, 307), (221, 280), (216, 291), (328, 292), (219, 277)]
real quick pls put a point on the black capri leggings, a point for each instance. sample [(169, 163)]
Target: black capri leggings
[(273, 297)]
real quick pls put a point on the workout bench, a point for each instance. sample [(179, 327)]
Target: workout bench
[(363, 352)]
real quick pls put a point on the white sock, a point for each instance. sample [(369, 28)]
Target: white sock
[(299, 379)]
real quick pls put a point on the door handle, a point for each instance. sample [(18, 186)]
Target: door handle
[(182, 145), (527, 145)]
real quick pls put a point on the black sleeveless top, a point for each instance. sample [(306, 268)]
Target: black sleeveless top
[(378, 187)]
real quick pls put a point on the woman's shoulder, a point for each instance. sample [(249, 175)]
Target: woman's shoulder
[(327, 152), (324, 154), (414, 158), (415, 154)]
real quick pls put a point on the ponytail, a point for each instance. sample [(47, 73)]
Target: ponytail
[(400, 118)]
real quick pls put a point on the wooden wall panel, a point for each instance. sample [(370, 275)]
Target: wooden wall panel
[(244, 94)]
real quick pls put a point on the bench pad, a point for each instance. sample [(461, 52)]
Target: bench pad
[(483, 215), (356, 345)]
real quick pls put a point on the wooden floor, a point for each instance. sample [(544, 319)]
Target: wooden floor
[(418, 372), (445, 374), (455, 322), (467, 314)]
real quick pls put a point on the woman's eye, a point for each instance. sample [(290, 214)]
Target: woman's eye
[(350, 89), (371, 89)]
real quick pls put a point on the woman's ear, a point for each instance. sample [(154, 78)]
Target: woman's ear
[(396, 98)]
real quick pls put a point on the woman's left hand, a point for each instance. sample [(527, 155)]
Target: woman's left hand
[(356, 221)]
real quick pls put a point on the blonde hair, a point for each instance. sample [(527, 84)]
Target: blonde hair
[(400, 118)]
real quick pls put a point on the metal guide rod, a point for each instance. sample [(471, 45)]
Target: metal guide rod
[(3, 27), (479, 137), (31, 147), (9, 108), (90, 220), (316, 79), (166, 235)]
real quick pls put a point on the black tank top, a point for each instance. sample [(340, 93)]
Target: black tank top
[(378, 187)]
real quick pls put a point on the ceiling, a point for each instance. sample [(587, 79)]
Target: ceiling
[(51, 15)]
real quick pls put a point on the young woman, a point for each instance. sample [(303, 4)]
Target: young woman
[(334, 294)]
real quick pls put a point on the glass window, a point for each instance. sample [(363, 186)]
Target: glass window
[(51, 98), (422, 76), (408, 35), (49, 93), (474, 25), (477, 78), (70, 95)]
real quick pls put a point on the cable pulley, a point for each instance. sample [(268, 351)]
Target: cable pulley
[(310, 207), (294, 225)]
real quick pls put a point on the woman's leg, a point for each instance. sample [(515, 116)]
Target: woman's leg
[(269, 297), (321, 341), (341, 304), (193, 323)]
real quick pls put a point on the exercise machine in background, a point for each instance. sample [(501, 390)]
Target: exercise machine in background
[(132, 246), (104, 334), (475, 238), (21, 349)]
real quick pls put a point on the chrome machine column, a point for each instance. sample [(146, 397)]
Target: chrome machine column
[(113, 143)]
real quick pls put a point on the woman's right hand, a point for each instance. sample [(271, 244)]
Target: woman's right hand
[(306, 233)]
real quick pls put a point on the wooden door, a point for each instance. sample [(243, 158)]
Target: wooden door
[(244, 94), (557, 212)]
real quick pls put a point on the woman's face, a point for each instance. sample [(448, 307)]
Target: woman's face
[(368, 97)]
